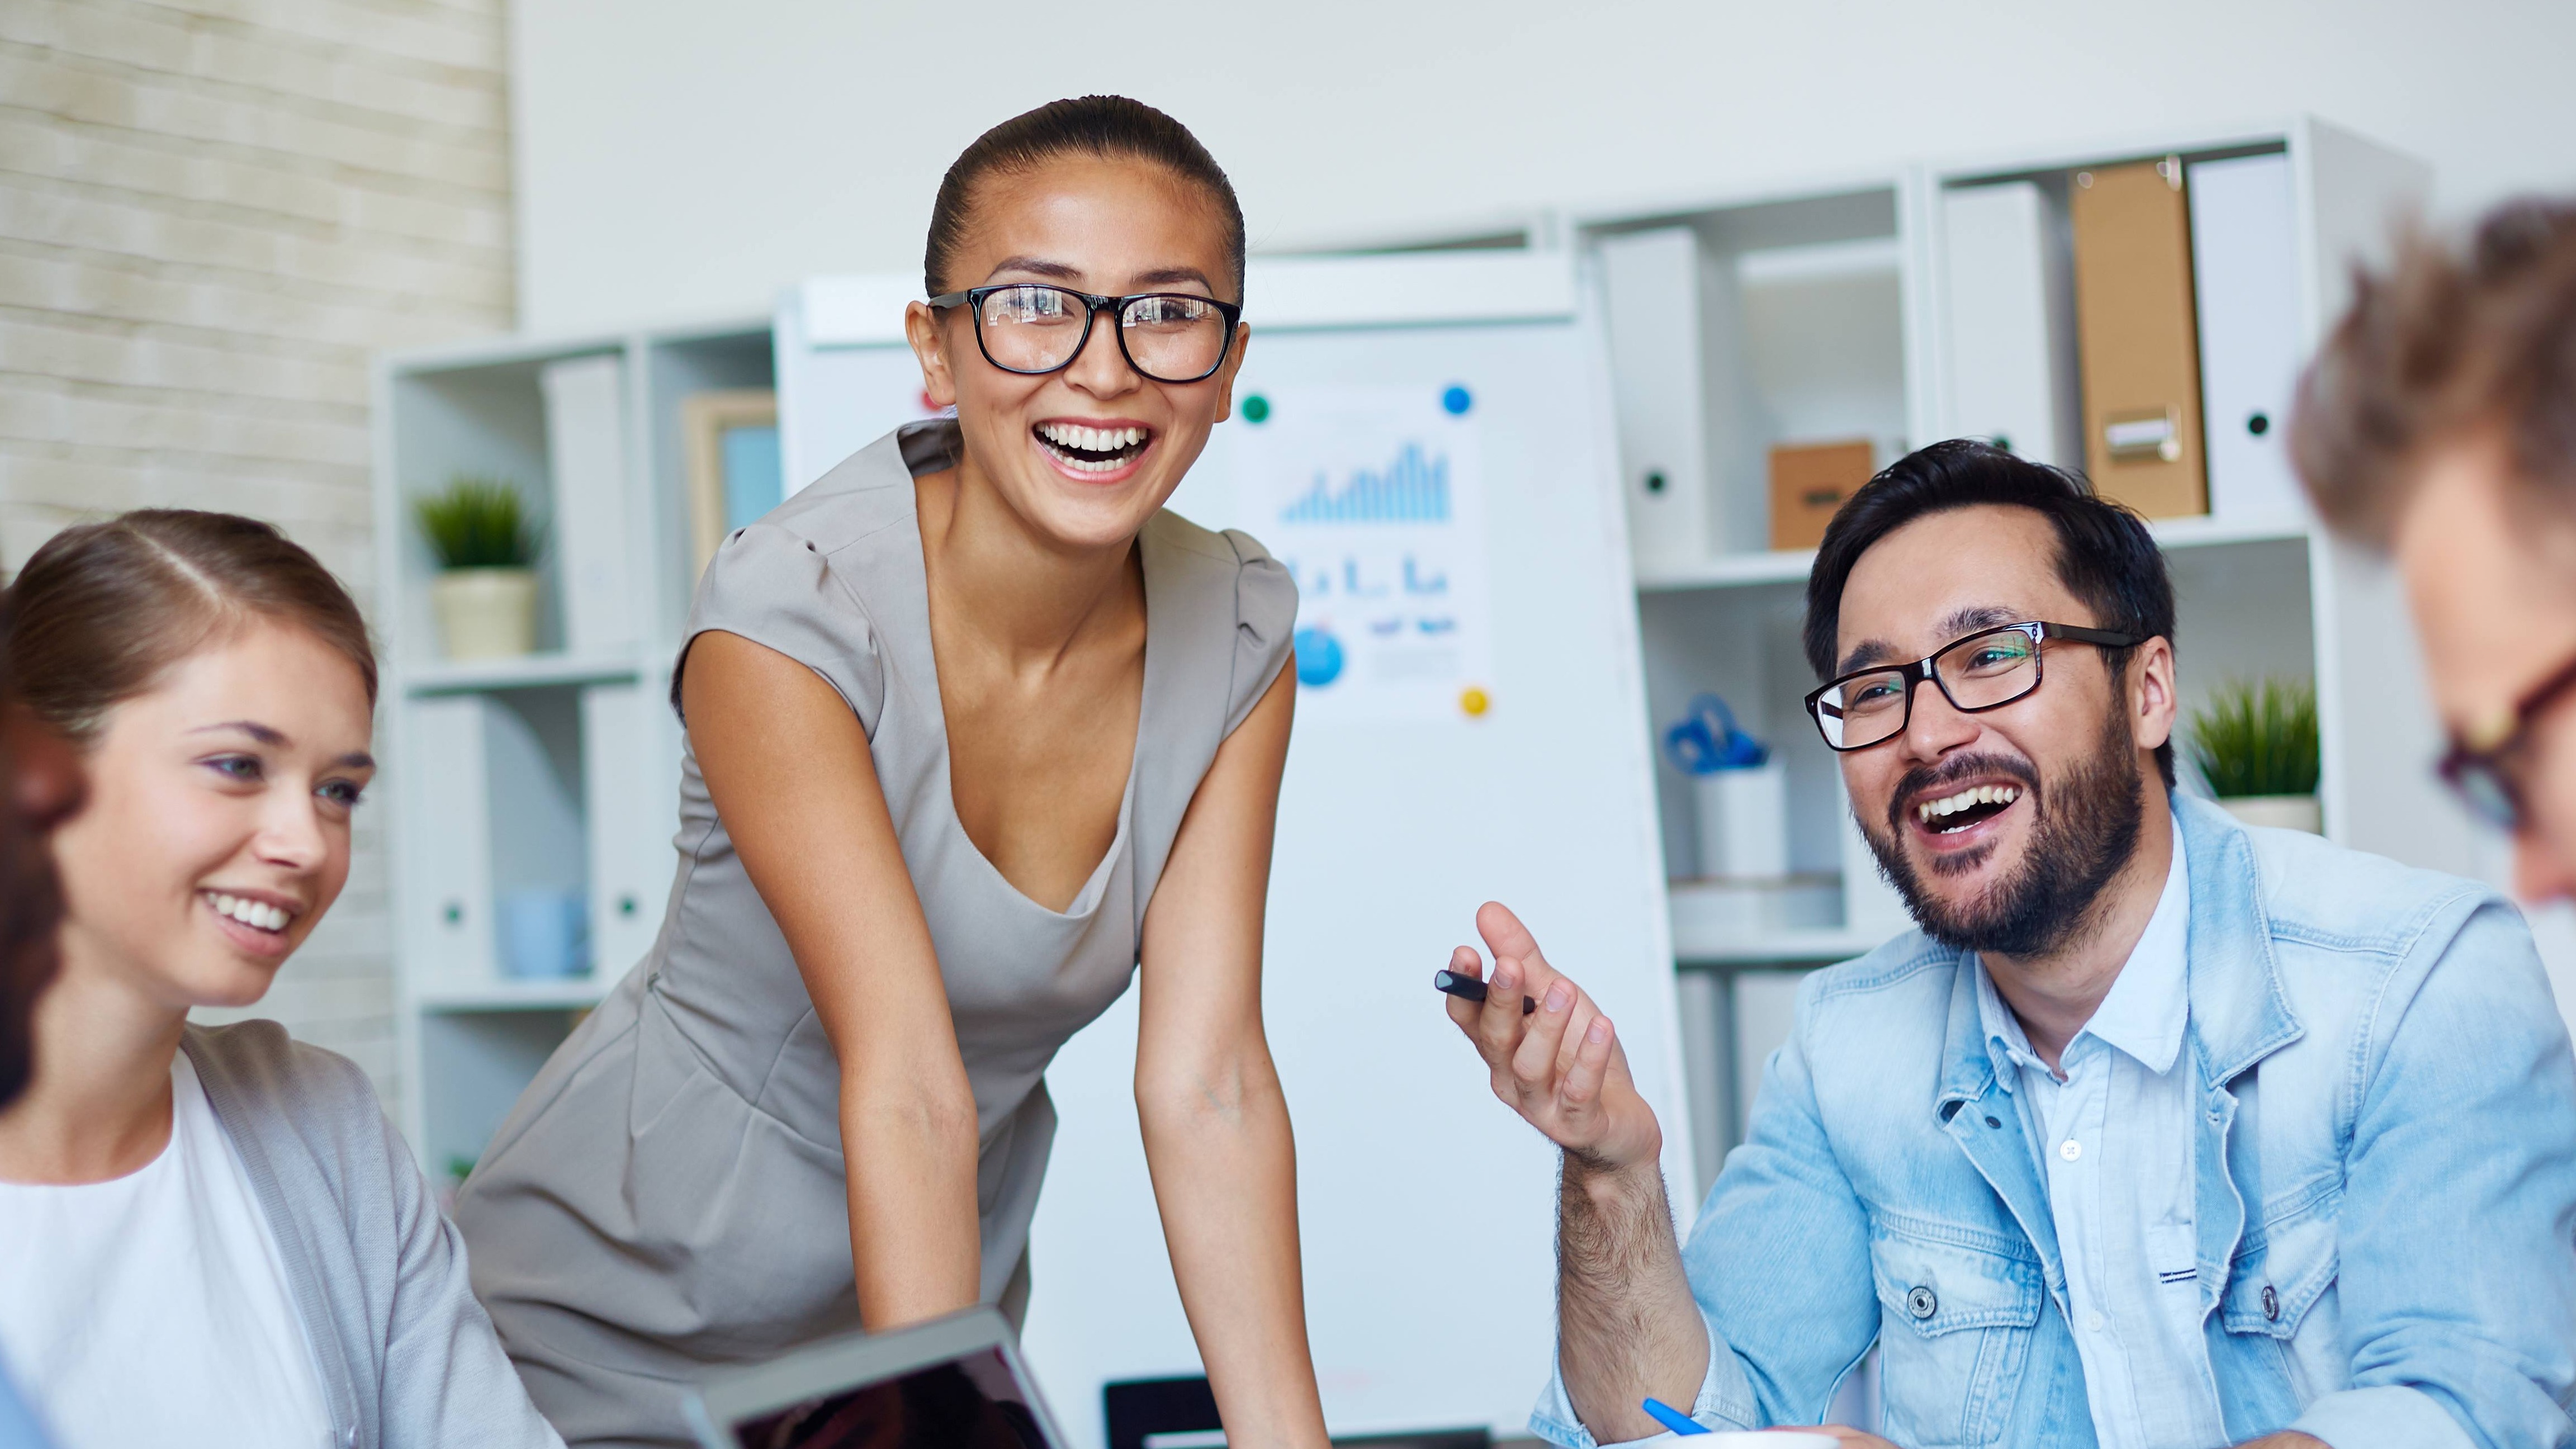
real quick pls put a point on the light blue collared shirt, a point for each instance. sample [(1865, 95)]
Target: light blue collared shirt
[(18, 1429), (2112, 1139)]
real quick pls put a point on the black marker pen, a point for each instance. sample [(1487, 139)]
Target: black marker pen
[(1468, 988)]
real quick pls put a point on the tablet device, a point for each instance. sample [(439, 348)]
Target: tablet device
[(952, 1383)]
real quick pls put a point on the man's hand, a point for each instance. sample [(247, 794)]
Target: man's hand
[(1560, 1067), (1626, 1326)]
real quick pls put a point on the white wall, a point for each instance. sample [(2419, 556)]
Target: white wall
[(677, 157), (210, 214)]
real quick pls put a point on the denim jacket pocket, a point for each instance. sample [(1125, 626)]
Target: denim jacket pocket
[(2280, 1275), (1957, 1321), (2279, 1311)]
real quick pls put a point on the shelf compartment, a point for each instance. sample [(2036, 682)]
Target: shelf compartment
[(571, 993), (527, 671), (1741, 570)]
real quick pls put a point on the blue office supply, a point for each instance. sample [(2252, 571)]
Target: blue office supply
[(545, 934), (1707, 741), (1674, 1419)]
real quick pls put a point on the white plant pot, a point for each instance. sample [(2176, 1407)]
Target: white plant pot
[(486, 613), (2281, 812), (1743, 822)]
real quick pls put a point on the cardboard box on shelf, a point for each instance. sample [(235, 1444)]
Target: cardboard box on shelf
[(1809, 481)]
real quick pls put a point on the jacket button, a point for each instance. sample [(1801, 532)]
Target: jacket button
[(2271, 1304), (1921, 1303)]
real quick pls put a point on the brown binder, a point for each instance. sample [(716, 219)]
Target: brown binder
[(2136, 335)]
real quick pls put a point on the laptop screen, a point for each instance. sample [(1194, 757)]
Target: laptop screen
[(970, 1402)]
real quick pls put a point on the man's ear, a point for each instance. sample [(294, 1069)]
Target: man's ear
[(2153, 701)]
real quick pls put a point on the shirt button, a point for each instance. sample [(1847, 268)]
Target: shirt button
[(2093, 1321), (2070, 1149)]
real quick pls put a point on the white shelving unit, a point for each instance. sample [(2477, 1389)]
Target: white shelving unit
[(1808, 314), (1832, 319), (558, 768)]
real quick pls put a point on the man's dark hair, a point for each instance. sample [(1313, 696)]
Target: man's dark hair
[(2105, 556), (2451, 340)]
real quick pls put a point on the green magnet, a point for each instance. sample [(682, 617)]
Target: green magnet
[(1256, 409)]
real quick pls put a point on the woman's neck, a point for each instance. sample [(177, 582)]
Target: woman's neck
[(1017, 593), (99, 1106)]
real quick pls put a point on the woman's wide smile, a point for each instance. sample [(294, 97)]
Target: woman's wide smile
[(1093, 450)]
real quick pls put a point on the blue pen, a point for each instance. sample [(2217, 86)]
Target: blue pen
[(1674, 1419)]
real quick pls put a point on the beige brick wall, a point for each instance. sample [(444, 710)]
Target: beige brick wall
[(211, 213)]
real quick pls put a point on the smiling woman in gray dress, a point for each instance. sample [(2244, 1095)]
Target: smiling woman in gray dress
[(974, 728)]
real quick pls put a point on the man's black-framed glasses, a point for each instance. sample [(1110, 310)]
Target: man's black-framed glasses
[(1032, 328), (1985, 670), (2484, 765)]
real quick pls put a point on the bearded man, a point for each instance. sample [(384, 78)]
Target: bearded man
[(2160, 1131)]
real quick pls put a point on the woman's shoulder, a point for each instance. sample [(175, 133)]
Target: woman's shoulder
[(863, 496), (255, 1066), (1226, 576), (817, 577), (301, 1117), (1229, 556)]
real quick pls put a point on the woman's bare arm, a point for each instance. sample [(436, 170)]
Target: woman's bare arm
[(787, 765), (1216, 1126)]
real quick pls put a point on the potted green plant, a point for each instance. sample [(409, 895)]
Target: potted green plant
[(2256, 745), (485, 595)]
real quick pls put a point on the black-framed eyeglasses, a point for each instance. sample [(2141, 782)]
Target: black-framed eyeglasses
[(1985, 670), (1032, 328), (2484, 763)]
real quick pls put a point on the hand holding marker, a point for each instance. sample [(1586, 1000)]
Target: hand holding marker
[(1468, 988)]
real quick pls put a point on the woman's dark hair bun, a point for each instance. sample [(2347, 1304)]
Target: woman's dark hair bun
[(1086, 125)]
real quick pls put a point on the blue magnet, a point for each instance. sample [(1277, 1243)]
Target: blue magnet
[(1319, 657), (1457, 400)]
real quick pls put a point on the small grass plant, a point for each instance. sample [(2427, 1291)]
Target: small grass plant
[(477, 522), (2257, 739)]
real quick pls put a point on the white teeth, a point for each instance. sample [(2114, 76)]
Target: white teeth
[(248, 912), (1931, 810), (1090, 440)]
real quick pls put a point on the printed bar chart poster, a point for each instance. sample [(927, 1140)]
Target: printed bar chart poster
[(1373, 499)]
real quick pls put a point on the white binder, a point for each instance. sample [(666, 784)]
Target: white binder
[(2005, 285), (2245, 276), (445, 842), (630, 752), (600, 542), (1652, 285), (531, 787)]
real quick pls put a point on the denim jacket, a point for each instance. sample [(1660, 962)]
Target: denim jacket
[(2385, 1179)]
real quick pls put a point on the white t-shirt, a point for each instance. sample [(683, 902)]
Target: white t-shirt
[(152, 1309)]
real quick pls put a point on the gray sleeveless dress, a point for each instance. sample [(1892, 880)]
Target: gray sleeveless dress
[(668, 1195)]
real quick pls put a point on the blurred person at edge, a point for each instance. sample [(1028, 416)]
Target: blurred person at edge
[(2438, 425), (2161, 1132), (40, 786), (212, 1236)]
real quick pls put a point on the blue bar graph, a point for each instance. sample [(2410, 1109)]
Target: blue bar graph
[(1412, 489)]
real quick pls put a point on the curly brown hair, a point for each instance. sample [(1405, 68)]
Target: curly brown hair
[(2453, 340)]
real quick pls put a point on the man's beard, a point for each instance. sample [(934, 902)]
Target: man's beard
[(2084, 828)]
